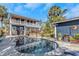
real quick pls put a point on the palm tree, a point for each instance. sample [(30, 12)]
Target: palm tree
[(3, 10), (55, 14), (3, 14)]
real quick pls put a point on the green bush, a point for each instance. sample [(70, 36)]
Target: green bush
[(71, 38), (76, 36)]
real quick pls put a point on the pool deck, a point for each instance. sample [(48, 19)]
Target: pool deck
[(71, 46)]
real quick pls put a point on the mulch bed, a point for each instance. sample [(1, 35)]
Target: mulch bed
[(75, 41)]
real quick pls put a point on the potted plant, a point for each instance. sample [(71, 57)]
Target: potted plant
[(59, 36), (65, 38)]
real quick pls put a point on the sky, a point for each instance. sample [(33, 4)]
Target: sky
[(39, 11)]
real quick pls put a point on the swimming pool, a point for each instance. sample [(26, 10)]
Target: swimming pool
[(37, 47)]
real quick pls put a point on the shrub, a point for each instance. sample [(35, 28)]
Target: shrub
[(1, 32), (71, 38), (76, 36)]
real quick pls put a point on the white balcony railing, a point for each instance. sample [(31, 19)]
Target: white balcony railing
[(25, 23), (14, 21), (32, 25)]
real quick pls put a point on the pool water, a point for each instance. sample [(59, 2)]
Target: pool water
[(39, 47)]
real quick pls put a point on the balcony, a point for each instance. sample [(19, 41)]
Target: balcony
[(13, 21), (17, 22), (32, 25)]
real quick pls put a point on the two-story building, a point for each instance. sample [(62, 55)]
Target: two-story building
[(23, 26)]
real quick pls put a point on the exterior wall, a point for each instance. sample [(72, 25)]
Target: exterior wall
[(32, 32), (34, 35), (65, 28)]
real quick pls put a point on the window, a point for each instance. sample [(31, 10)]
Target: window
[(17, 20), (22, 20), (27, 21)]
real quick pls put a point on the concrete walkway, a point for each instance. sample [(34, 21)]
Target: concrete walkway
[(68, 45)]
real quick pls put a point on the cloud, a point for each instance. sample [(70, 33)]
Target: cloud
[(27, 7), (48, 5), (73, 12), (32, 6), (18, 9)]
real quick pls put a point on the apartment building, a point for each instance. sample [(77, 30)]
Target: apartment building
[(23, 26)]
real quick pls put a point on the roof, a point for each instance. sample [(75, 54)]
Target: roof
[(71, 19), (23, 17)]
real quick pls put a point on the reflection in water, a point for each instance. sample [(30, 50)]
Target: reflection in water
[(35, 46), (19, 41)]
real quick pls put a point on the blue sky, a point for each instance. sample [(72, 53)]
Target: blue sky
[(39, 11)]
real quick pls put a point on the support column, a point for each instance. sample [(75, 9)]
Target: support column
[(36, 34), (24, 34), (10, 26), (20, 21), (24, 30), (10, 30), (55, 36)]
